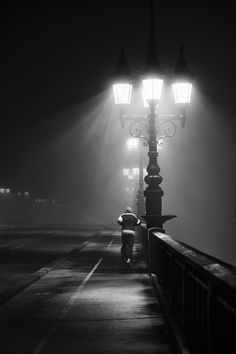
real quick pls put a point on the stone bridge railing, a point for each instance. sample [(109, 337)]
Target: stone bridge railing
[(200, 290)]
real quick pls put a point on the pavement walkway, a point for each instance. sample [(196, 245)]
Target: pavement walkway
[(115, 310), (112, 309)]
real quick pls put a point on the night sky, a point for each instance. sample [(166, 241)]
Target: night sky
[(58, 54), (57, 61)]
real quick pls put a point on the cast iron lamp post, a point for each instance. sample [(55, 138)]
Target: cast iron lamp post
[(133, 145), (153, 127)]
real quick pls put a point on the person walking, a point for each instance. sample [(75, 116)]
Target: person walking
[(128, 221)]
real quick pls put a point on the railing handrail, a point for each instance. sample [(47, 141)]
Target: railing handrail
[(210, 266), (200, 289)]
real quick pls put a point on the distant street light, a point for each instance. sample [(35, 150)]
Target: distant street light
[(152, 127), (132, 144), (130, 180), (5, 191)]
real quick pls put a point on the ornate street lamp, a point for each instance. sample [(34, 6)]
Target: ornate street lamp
[(152, 127)]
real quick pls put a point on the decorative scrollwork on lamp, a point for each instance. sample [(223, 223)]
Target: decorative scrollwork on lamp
[(139, 130), (159, 143), (167, 129)]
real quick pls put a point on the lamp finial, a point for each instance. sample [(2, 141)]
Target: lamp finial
[(152, 64)]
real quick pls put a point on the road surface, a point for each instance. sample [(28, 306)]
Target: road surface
[(76, 297)]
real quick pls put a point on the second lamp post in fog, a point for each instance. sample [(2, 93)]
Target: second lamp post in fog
[(134, 146), (152, 82)]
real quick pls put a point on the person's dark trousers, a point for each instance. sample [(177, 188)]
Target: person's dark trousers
[(127, 246)]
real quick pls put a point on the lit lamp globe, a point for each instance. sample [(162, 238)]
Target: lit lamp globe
[(182, 85), (122, 92), (152, 87), (152, 78), (122, 86), (182, 92)]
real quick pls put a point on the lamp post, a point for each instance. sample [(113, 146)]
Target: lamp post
[(153, 127), (133, 145), (140, 194)]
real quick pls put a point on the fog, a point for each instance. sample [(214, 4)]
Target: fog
[(81, 169), (197, 165), (198, 169)]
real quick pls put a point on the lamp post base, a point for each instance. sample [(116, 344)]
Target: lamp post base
[(157, 221), (154, 221)]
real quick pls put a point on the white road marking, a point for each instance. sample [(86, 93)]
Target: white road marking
[(78, 290), (40, 346)]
